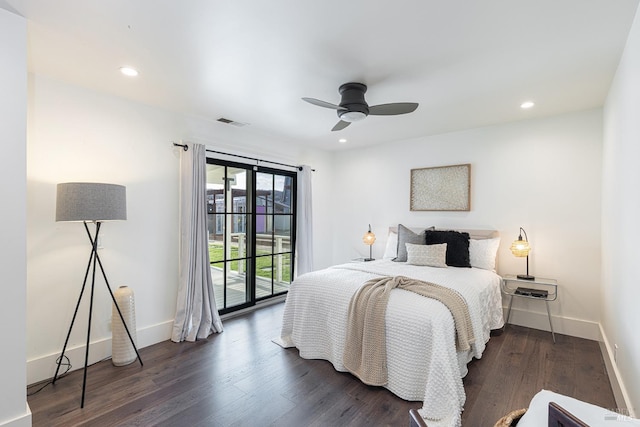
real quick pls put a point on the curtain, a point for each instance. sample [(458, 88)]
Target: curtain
[(304, 233), (196, 313)]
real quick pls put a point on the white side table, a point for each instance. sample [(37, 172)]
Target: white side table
[(538, 289)]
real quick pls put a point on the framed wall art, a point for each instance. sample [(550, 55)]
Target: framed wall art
[(442, 188)]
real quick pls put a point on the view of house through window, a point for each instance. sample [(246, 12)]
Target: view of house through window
[(251, 223)]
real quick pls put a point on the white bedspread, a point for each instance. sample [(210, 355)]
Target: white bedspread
[(421, 355)]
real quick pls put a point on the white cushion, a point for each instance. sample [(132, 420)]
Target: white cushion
[(429, 255), (391, 249), (482, 253), (538, 412)]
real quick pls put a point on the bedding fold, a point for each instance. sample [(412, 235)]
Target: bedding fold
[(365, 353)]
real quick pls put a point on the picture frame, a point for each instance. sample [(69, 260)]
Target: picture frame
[(441, 188)]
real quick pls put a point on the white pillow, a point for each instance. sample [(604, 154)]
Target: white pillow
[(429, 255), (482, 253), (391, 249)]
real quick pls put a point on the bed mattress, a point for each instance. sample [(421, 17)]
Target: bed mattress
[(422, 361)]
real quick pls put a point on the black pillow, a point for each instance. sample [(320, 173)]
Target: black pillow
[(457, 246)]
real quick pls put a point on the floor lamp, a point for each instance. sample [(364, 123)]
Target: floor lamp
[(91, 202)]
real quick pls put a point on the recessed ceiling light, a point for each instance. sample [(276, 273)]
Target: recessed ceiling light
[(342, 141), (527, 104), (128, 71)]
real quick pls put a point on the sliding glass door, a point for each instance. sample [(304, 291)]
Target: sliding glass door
[(274, 233), (251, 223)]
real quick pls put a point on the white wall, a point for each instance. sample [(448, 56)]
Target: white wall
[(543, 175), (76, 134), (13, 112), (620, 217)]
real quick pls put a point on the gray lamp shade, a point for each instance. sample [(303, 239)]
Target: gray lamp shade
[(91, 201)]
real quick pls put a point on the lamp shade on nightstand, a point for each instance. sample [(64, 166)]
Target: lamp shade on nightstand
[(521, 248), (368, 239)]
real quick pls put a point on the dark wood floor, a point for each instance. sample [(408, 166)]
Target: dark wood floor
[(240, 378)]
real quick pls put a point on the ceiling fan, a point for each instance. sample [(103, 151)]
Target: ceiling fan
[(353, 107)]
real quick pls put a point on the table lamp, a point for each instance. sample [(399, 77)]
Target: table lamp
[(368, 239), (521, 248)]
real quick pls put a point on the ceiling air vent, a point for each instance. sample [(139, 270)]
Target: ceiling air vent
[(231, 122)]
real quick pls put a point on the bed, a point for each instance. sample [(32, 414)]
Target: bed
[(422, 361)]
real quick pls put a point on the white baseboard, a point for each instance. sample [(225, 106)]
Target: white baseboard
[(23, 420), (615, 378), (44, 367), (561, 325)]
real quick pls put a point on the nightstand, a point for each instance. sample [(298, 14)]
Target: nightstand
[(538, 289)]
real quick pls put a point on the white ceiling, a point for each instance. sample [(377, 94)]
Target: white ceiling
[(468, 63)]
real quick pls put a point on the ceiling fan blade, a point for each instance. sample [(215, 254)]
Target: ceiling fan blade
[(324, 104), (393, 109), (340, 125)]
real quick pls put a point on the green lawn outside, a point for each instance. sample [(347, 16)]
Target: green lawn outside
[(263, 263)]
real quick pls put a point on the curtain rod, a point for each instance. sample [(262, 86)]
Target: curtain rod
[(185, 147)]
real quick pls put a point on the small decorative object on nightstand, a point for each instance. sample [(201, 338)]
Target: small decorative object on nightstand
[(540, 289), (521, 248), (368, 239)]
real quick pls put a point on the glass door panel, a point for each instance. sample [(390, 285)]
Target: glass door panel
[(264, 234), (250, 218), (282, 199), (228, 222), (264, 193), (274, 225), (230, 288), (283, 273), (238, 237), (264, 271), (236, 284), (283, 232), (215, 203)]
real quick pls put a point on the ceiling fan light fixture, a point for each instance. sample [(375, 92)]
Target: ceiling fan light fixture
[(352, 116), (353, 107)]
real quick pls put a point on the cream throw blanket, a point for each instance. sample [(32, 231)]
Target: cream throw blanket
[(365, 353)]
